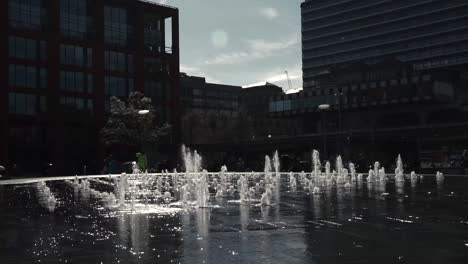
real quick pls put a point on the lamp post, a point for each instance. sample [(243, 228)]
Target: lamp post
[(323, 108), (339, 94), (142, 112)]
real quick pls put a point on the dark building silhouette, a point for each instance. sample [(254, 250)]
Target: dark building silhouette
[(65, 59), (209, 111)]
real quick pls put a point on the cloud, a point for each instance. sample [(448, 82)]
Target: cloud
[(256, 49), (269, 12), (219, 38)]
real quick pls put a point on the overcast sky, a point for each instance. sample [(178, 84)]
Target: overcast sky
[(240, 42)]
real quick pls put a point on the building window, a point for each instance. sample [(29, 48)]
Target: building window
[(22, 48), (26, 135), (43, 51), (196, 92), (72, 81), (76, 56), (76, 104), (89, 57), (23, 104), (117, 86), (118, 61), (90, 84), (26, 14), (74, 19), (27, 76), (154, 90), (43, 78), (117, 29), (153, 34), (154, 65)]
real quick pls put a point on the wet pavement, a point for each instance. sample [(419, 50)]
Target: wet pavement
[(425, 222)]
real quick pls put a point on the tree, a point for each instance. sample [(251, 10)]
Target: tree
[(126, 126)]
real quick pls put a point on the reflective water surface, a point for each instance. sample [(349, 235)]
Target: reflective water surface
[(376, 222)]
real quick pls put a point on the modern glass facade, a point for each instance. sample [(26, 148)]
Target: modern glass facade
[(423, 33)]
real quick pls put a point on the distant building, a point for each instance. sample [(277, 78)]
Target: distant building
[(422, 34), (394, 74), (64, 59), (209, 112), (255, 102)]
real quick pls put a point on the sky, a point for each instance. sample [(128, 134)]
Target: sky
[(240, 42)]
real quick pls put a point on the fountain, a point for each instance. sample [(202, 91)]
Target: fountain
[(327, 197), (399, 176)]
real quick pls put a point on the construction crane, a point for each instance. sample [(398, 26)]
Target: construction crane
[(289, 80)]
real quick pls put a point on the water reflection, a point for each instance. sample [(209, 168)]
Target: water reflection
[(139, 234), (341, 192), (2, 191), (203, 223), (440, 185), (382, 187), (266, 213), (316, 205), (400, 188), (244, 217), (400, 205)]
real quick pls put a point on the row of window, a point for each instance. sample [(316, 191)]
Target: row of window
[(27, 14), (32, 104), (117, 86), (26, 104), (215, 103), (23, 76), (77, 82), (155, 65), (74, 20), (27, 76), (76, 56), (117, 29), (27, 135), (30, 49), (76, 104), (217, 94), (118, 61), (357, 97)]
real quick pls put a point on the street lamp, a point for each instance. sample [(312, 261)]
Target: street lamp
[(143, 112), (323, 108), (339, 94)]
